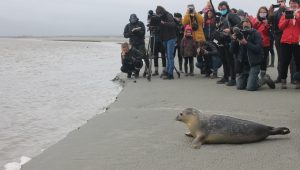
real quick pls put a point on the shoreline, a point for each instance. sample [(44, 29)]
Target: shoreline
[(141, 133)]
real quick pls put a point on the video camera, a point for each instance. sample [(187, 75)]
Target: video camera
[(153, 20)]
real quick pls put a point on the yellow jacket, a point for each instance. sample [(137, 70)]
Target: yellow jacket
[(199, 34)]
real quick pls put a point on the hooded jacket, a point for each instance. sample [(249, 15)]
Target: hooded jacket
[(168, 30), (137, 37)]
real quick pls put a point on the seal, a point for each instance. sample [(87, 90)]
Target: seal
[(220, 129)]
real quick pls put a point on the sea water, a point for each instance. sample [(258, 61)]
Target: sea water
[(49, 88)]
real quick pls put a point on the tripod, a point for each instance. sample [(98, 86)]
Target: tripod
[(151, 52)]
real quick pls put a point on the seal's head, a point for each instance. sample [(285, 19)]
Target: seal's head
[(187, 115)]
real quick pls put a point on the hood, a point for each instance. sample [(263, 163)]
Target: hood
[(160, 11), (133, 19)]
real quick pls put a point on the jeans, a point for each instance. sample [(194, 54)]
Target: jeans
[(216, 63), (248, 79), (169, 48)]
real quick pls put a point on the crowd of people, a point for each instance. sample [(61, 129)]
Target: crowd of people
[(226, 37)]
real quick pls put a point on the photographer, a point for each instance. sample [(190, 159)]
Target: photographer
[(226, 22), (274, 18), (208, 58), (195, 21), (290, 25), (168, 35), (135, 31), (131, 60), (247, 45), (156, 45)]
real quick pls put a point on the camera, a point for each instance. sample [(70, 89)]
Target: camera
[(191, 10), (153, 19), (275, 5), (289, 14), (238, 33)]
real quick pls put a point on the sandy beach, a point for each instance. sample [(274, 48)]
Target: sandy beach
[(139, 130)]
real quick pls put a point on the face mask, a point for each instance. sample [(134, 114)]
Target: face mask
[(263, 15), (246, 29), (223, 12)]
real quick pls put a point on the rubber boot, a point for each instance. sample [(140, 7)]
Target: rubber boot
[(186, 70), (297, 84), (191, 69)]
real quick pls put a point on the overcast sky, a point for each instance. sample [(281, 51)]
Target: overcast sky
[(90, 17)]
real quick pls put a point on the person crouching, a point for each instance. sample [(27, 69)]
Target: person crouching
[(188, 50), (131, 60), (248, 47)]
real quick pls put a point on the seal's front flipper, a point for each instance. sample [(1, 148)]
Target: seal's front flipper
[(197, 142), (188, 134)]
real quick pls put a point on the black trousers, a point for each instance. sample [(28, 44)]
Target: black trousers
[(228, 62), (291, 52), (156, 49), (190, 61), (177, 48), (264, 62), (128, 68), (281, 54)]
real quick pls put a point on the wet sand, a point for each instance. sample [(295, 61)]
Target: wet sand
[(139, 130)]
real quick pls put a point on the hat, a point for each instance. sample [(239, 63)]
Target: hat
[(188, 27), (133, 18), (191, 6), (240, 12)]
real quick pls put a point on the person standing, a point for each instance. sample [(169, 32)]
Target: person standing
[(289, 24), (188, 50), (227, 21), (168, 35), (135, 31), (195, 21), (275, 17), (262, 25), (180, 32)]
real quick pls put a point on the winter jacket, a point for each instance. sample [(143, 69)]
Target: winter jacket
[(263, 30), (188, 47), (252, 52), (168, 29), (211, 49), (132, 57), (136, 38), (291, 30), (199, 34), (275, 17), (230, 20)]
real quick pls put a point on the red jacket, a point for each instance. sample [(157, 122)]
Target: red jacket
[(263, 30), (291, 30)]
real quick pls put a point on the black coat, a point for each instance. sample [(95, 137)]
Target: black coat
[(251, 53), (136, 38), (168, 30), (133, 57)]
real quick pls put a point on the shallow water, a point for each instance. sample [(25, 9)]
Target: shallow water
[(49, 88)]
